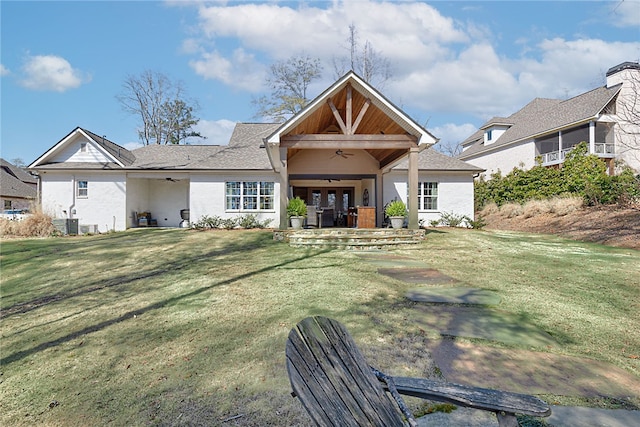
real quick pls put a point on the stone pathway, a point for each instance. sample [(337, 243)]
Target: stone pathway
[(458, 310)]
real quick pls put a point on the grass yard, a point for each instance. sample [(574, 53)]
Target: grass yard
[(178, 327)]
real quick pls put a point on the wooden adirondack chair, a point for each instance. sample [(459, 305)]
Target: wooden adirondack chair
[(337, 387)]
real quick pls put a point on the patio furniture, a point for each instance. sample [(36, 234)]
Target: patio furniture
[(337, 386), (312, 216)]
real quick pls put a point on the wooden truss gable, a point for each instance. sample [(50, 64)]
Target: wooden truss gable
[(353, 116)]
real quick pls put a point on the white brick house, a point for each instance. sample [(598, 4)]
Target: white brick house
[(349, 147)]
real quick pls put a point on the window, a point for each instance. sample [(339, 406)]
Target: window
[(249, 195), (7, 204), (83, 189), (83, 147), (428, 196)]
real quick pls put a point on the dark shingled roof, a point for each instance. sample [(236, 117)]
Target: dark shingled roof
[(172, 156), (15, 182), (541, 116), (432, 160), (243, 152)]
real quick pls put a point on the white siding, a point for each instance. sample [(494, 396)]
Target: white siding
[(208, 195), (104, 206), (455, 192), (167, 199), (522, 155), (71, 152)]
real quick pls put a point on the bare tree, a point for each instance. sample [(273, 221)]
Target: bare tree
[(288, 81), (167, 116), (450, 148), (365, 61), (18, 162)]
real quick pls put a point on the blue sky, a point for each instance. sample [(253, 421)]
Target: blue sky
[(455, 64)]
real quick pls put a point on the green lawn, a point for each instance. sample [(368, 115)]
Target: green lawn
[(178, 327)]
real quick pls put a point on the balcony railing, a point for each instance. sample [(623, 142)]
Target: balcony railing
[(604, 149)]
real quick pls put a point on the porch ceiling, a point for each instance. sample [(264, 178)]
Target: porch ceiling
[(349, 120)]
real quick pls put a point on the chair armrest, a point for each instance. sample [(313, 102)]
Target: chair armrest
[(473, 397)]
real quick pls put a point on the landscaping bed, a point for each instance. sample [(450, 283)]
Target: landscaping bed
[(611, 225)]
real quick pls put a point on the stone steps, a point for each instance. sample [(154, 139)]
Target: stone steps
[(351, 238)]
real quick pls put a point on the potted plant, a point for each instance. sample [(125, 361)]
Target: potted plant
[(396, 211), (296, 211)]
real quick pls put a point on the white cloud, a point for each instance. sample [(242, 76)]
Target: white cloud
[(451, 135), (217, 132), (439, 64), (451, 132), (133, 145), (50, 72), (625, 13), (4, 71), (241, 70), (408, 34)]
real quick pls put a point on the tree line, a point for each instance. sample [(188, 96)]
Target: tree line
[(168, 116)]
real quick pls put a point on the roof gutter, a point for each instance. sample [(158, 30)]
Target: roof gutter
[(272, 146)]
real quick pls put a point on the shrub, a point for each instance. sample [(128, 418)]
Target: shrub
[(208, 222), (229, 223), (36, 224), (535, 207), (450, 219), (396, 208), (490, 209), (511, 210), (251, 221), (476, 224), (296, 207), (582, 175), (562, 206)]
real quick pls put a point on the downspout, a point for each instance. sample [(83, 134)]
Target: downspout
[(73, 197)]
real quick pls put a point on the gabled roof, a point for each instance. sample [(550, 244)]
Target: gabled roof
[(15, 182), (394, 116), (245, 151), (119, 156), (542, 116)]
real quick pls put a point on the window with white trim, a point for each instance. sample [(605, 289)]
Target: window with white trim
[(428, 196), (250, 196), (83, 189)]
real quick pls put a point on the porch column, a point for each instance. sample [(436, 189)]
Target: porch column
[(592, 137), (284, 189), (412, 203)]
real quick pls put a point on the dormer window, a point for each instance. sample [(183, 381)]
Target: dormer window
[(494, 130)]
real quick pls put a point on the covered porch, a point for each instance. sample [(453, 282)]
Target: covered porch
[(336, 151), (157, 199)]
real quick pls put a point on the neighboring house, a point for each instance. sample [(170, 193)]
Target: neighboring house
[(349, 147), (606, 118), (18, 188)]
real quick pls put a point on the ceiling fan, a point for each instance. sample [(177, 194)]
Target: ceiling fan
[(342, 154)]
